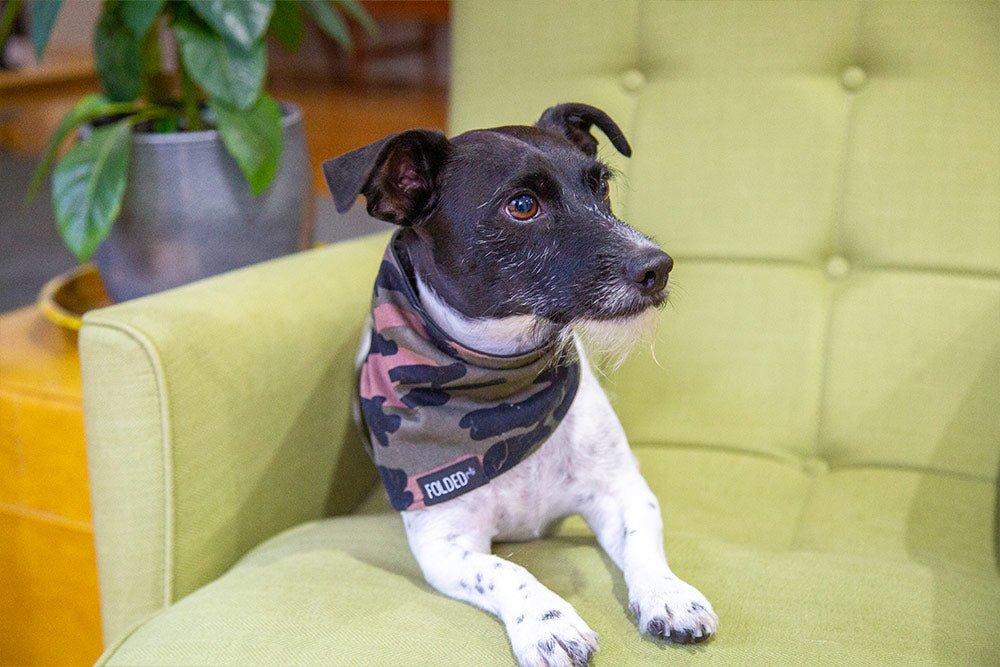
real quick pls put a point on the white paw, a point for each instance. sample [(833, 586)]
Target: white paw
[(549, 633), (671, 609)]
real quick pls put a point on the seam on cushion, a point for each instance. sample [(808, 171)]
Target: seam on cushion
[(950, 271), (904, 467), (143, 341), (835, 238), (637, 60), (109, 651), (836, 241)]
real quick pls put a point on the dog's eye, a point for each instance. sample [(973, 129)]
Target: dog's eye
[(603, 190), (522, 207)]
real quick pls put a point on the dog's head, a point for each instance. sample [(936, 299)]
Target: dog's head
[(511, 220)]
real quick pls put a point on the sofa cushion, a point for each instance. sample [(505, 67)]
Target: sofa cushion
[(827, 179), (803, 566)]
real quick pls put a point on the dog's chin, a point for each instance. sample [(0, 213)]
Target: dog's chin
[(609, 340)]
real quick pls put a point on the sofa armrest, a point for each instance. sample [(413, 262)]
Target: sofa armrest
[(219, 414)]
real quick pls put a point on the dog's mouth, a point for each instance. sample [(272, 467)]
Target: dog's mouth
[(627, 308)]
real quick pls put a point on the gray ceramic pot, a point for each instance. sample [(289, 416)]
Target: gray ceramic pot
[(188, 212)]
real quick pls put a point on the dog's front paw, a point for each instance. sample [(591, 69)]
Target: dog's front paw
[(551, 635), (671, 609)]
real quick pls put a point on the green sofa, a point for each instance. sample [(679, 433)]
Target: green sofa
[(821, 422)]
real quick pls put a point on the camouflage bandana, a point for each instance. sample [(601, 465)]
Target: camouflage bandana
[(442, 419)]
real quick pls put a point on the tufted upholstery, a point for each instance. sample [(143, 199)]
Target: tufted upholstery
[(828, 180), (821, 423)]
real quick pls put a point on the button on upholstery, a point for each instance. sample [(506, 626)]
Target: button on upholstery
[(837, 267), (815, 467), (853, 78), (633, 80)]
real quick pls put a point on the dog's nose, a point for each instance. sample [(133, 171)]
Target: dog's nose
[(649, 270)]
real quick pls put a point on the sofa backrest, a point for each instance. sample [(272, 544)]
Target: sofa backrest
[(827, 178)]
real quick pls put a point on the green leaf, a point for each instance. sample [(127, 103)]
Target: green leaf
[(226, 72), (140, 15), (86, 109), (329, 21), (243, 22), (253, 137), (355, 9), (286, 24), (117, 55), (88, 187), (43, 17)]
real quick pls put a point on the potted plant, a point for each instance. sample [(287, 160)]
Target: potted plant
[(202, 170)]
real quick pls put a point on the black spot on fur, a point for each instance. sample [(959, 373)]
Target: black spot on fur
[(520, 619), (550, 614)]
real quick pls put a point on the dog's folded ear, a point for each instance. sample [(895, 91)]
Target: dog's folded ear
[(398, 175), (574, 121)]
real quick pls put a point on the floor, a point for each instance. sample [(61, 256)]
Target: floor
[(341, 113)]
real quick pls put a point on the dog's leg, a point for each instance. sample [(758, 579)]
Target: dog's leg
[(628, 526), (543, 628)]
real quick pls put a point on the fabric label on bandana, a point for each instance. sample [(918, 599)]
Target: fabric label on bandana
[(451, 481), (441, 419)]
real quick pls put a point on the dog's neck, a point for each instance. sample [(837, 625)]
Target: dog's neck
[(500, 336)]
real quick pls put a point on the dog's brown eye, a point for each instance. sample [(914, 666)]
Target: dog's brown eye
[(603, 190), (522, 207)]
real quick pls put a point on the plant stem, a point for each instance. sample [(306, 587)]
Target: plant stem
[(154, 113), (189, 95), (154, 83)]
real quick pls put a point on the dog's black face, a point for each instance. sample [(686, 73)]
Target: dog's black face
[(511, 220)]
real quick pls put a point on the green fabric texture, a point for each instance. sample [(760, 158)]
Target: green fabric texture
[(218, 415), (819, 415)]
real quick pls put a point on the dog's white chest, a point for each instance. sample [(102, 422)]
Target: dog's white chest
[(574, 466)]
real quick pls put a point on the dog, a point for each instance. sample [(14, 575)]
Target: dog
[(480, 409)]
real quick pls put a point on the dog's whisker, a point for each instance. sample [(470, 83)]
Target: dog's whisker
[(652, 353)]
